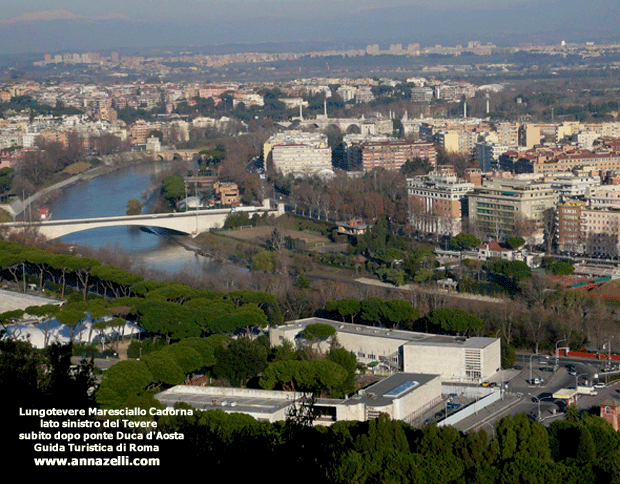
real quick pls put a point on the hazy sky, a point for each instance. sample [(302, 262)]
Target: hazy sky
[(53, 25), (163, 10)]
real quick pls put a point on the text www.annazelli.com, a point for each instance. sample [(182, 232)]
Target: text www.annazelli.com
[(122, 460)]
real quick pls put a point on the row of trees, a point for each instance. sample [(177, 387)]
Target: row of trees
[(582, 449)]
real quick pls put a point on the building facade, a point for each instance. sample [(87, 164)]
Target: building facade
[(501, 208), (438, 201), (392, 155)]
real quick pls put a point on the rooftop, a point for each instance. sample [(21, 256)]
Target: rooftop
[(384, 392), (241, 400), (376, 331)]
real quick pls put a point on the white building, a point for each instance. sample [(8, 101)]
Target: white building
[(298, 153), (404, 396), (454, 359)]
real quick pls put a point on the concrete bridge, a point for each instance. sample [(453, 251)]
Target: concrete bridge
[(192, 223)]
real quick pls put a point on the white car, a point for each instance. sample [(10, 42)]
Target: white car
[(599, 385)]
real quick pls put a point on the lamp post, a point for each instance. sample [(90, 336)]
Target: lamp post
[(557, 354), (492, 428), (501, 371), (535, 354), (538, 400), (608, 344)]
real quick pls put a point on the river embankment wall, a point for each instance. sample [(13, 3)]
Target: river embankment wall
[(108, 164)]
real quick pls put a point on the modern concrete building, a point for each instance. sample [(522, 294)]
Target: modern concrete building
[(569, 233), (261, 404), (403, 396), (454, 359)]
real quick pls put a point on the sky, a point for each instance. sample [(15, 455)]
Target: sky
[(57, 25)]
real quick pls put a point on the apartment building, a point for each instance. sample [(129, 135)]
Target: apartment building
[(553, 160), (438, 201), (488, 155), (298, 153), (569, 233), (505, 207), (600, 221), (392, 155)]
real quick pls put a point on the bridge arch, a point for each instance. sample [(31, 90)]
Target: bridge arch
[(353, 128)]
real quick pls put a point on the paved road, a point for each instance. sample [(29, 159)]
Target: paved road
[(521, 396)]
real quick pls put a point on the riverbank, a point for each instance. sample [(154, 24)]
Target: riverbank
[(109, 164)]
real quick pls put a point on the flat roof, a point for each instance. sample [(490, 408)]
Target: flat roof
[(10, 300), (565, 393), (243, 400), (392, 388), (412, 337)]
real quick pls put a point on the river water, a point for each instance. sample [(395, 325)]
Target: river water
[(107, 195)]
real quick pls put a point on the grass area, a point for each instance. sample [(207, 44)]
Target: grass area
[(77, 168), (260, 235), (5, 216)]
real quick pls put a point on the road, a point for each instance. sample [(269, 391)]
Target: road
[(537, 400)]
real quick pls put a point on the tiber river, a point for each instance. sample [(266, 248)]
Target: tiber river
[(107, 195)]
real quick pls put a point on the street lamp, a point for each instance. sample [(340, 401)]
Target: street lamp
[(492, 428), (608, 344), (577, 379), (538, 400), (535, 354), (557, 354)]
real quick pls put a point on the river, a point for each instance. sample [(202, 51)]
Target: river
[(107, 195)]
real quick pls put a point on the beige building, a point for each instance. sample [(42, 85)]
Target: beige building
[(505, 207), (403, 396), (600, 221), (298, 152), (438, 201), (454, 359)]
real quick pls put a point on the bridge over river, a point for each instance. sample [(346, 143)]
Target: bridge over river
[(192, 222)]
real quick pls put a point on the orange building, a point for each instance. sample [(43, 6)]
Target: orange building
[(392, 155)]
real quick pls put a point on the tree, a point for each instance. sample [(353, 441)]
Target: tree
[(515, 242), (464, 241), (120, 382), (345, 307), (264, 261), (515, 270), (164, 368), (134, 207), (173, 188), (240, 360), (316, 333), (455, 321)]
